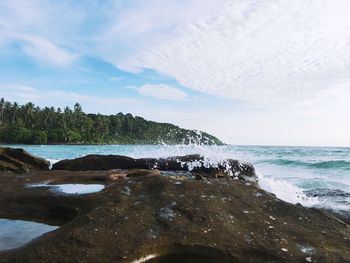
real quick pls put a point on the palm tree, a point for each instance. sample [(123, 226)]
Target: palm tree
[(46, 117), (29, 110), (2, 105), (14, 110), (77, 108), (67, 110), (67, 120), (7, 112)]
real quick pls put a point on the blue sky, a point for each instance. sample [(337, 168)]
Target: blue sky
[(250, 72)]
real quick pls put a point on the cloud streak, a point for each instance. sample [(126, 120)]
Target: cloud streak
[(31, 26), (162, 92), (59, 98)]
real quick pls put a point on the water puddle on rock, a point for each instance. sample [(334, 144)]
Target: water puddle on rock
[(72, 188), (78, 188), (16, 233)]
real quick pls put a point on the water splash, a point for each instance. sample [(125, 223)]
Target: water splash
[(287, 192)]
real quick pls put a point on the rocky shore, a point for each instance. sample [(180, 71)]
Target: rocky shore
[(178, 209)]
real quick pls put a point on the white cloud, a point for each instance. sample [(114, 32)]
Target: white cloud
[(44, 50), (18, 93), (162, 92), (139, 24), (32, 26), (38, 48), (257, 51)]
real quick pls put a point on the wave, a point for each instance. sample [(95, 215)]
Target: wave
[(287, 192), (325, 192), (339, 164), (52, 162), (334, 164)]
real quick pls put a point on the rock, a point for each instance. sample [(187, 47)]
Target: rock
[(116, 174), (166, 214), (97, 162), (196, 164), (20, 161), (142, 172), (157, 219), (119, 174)]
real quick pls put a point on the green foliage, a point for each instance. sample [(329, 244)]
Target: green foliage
[(38, 137), (73, 136), (33, 125), (56, 135), (22, 135)]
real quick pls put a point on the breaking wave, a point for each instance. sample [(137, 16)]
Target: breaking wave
[(287, 192)]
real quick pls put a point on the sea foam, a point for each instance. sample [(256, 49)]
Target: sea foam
[(287, 192)]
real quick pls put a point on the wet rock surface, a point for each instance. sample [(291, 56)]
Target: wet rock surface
[(194, 163), (20, 161), (141, 216)]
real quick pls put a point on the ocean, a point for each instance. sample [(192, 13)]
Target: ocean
[(312, 176)]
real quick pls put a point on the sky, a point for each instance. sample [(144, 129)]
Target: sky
[(254, 72)]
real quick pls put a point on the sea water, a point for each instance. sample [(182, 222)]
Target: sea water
[(311, 176)]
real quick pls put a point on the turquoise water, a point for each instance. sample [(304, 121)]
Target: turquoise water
[(312, 176)]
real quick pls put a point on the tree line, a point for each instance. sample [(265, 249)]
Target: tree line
[(31, 124)]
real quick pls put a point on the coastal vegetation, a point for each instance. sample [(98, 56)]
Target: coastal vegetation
[(30, 124)]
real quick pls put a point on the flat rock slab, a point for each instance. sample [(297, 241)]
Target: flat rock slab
[(153, 218)]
